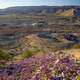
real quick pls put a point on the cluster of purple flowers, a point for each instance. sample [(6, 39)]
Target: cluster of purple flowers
[(46, 67)]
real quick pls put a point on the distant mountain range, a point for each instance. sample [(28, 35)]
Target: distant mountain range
[(58, 10)]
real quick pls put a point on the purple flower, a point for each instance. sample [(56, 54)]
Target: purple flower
[(55, 78)]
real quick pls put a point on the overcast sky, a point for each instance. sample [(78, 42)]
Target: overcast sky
[(9, 3)]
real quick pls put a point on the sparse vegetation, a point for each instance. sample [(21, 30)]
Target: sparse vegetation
[(27, 54), (76, 46), (39, 46), (5, 56)]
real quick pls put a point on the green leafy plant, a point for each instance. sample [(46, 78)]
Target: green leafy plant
[(27, 54)]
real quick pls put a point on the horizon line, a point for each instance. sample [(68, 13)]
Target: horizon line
[(39, 6)]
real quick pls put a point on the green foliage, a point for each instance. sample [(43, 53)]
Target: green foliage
[(27, 54), (5, 56), (77, 46), (30, 52)]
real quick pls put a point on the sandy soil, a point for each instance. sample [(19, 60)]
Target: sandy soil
[(75, 52)]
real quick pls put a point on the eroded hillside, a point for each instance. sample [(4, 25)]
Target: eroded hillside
[(40, 43)]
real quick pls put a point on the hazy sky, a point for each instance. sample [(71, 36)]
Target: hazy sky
[(8, 3)]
